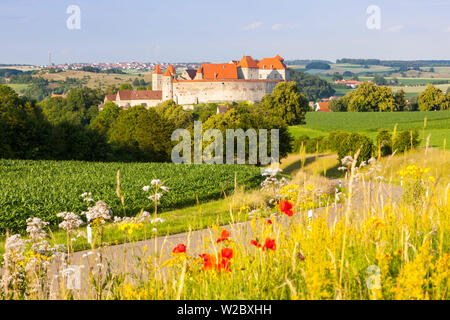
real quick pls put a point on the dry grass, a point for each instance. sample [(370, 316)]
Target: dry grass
[(94, 80), (437, 159)]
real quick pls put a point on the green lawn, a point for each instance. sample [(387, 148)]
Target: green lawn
[(368, 123)]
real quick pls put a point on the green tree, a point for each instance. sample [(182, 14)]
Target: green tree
[(337, 76), (23, 128), (125, 87), (80, 106), (337, 105), (256, 119), (136, 83), (384, 142), (105, 118), (141, 134), (286, 102), (175, 114), (431, 99), (312, 86), (369, 97), (400, 100), (379, 80), (111, 89), (352, 144)]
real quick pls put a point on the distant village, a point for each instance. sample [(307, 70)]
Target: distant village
[(124, 66)]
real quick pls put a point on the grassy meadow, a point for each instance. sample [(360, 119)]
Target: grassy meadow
[(376, 248), (368, 123)]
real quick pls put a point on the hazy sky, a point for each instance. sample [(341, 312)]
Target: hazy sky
[(212, 30)]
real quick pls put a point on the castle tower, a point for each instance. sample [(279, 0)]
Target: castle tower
[(167, 85), (199, 75), (248, 68), (157, 79)]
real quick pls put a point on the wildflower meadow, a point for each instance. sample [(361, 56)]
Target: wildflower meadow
[(367, 239)]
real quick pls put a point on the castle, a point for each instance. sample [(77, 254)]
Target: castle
[(244, 80)]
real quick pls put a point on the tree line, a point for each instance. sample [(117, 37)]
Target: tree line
[(371, 97), (73, 127)]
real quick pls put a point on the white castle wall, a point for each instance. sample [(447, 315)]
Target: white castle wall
[(193, 92)]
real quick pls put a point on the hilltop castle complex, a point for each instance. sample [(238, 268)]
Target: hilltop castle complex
[(244, 80)]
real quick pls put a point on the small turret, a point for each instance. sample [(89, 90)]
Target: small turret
[(199, 75), (157, 78), (167, 84)]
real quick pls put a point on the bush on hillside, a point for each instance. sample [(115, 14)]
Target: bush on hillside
[(335, 140), (406, 140), (384, 142), (352, 144)]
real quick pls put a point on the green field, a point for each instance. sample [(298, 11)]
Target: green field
[(368, 123), (45, 188), (18, 87)]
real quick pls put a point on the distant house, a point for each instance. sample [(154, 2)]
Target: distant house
[(321, 106), (222, 109), (349, 83), (54, 95), (129, 98)]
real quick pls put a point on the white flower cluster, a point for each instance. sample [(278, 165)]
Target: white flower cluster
[(157, 220), (346, 163), (374, 168), (100, 211), (71, 221), (272, 172), (272, 183), (156, 186), (142, 218), (35, 228), (15, 243), (87, 196)]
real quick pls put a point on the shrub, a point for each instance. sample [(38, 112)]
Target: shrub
[(297, 143), (353, 143), (318, 144), (335, 140), (406, 140), (311, 145), (384, 142)]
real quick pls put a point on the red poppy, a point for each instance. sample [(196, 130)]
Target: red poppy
[(285, 207), (209, 261), (224, 257), (221, 264), (227, 253), (269, 244), (179, 248), (269, 221), (224, 265), (224, 236), (255, 243)]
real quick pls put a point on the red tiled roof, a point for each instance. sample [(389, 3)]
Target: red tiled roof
[(157, 70), (349, 81), (171, 69), (279, 58), (272, 63), (200, 70), (140, 95), (323, 106), (110, 97), (167, 73), (247, 62), (216, 71)]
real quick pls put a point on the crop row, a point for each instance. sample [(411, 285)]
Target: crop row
[(45, 188)]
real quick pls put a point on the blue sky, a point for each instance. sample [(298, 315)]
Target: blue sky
[(216, 31)]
